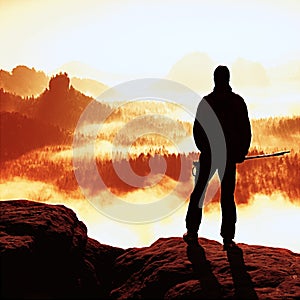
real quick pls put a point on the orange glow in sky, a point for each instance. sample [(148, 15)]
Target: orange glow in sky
[(146, 37), (114, 41)]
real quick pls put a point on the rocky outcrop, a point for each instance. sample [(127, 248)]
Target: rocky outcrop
[(169, 269), (45, 253)]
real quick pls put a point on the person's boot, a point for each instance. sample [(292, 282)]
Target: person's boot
[(191, 238), (228, 244)]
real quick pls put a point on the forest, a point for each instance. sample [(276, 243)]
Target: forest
[(264, 176), (37, 131)]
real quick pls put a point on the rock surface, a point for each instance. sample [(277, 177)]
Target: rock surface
[(46, 253), (171, 270)]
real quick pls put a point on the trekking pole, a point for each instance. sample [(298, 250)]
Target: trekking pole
[(267, 155), (196, 164)]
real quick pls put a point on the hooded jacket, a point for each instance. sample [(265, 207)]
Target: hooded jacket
[(232, 113)]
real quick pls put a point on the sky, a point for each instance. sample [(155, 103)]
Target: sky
[(182, 40), (146, 37)]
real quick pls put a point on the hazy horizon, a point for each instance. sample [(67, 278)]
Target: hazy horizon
[(266, 93)]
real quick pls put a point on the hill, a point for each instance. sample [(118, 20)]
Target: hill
[(20, 134), (28, 82), (88, 87), (23, 81), (60, 104)]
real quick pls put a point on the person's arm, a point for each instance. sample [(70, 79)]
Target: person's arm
[(200, 136), (245, 129)]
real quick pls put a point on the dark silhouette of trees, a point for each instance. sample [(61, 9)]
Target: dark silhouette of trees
[(263, 176), (20, 134), (277, 133)]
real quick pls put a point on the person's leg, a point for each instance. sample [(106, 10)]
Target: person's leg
[(194, 212), (227, 202)]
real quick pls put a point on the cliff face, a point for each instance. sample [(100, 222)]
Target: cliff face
[(46, 253)]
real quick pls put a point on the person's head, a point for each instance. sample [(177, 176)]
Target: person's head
[(221, 75)]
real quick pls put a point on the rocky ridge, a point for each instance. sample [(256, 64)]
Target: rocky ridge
[(46, 253)]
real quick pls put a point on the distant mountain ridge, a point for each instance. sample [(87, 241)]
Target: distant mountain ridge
[(49, 119), (27, 82), (23, 81), (60, 104)]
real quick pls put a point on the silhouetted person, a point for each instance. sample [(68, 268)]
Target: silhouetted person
[(232, 114)]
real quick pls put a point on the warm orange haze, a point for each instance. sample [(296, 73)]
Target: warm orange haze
[(61, 60)]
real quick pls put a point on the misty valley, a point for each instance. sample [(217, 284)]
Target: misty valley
[(37, 159)]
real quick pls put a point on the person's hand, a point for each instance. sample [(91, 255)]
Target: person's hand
[(240, 159)]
